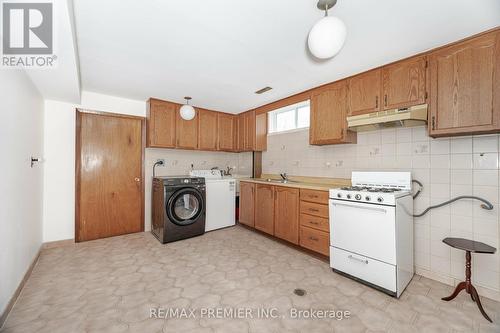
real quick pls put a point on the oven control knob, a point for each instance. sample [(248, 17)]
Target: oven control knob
[(358, 196), (348, 196), (339, 195), (380, 199), (367, 198)]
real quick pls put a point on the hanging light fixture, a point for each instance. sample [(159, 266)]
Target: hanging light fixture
[(327, 36), (187, 111)]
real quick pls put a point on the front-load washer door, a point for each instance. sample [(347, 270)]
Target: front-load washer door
[(185, 206)]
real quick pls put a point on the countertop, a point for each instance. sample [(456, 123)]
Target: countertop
[(316, 185)]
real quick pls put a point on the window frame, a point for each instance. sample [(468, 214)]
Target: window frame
[(273, 115)]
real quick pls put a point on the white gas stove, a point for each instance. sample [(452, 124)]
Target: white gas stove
[(371, 230)]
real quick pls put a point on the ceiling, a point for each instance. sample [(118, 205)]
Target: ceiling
[(220, 51)]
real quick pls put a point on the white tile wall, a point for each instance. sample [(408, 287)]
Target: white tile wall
[(447, 167)]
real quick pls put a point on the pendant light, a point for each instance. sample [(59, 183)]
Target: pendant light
[(327, 36), (187, 111)]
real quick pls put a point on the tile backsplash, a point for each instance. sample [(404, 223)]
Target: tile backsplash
[(447, 167)]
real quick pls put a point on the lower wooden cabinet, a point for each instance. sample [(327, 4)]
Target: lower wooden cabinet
[(264, 208), (247, 200), (286, 214), (283, 212), (315, 240)]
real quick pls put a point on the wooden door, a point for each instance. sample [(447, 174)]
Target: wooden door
[(109, 175), (264, 208), (207, 130), (226, 132), (161, 123), (465, 87), (249, 130), (328, 115), (286, 214), (261, 132), (364, 92), (247, 197), (404, 83), (241, 132), (187, 132)]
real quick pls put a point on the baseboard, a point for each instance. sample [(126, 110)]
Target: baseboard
[(59, 243), (14, 297), (482, 291)]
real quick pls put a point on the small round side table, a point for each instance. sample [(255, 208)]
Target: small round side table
[(468, 246)]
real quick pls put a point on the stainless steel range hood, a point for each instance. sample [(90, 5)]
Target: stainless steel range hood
[(408, 117)]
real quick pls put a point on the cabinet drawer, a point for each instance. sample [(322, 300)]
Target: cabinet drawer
[(314, 209), (367, 269), (315, 222), (316, 240), (314, 196)]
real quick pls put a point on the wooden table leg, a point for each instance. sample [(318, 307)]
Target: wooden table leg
[(469, 288)]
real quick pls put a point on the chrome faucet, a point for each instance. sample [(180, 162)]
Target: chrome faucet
[(284, 176), (227, 172)]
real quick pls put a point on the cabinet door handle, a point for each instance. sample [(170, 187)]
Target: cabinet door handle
[(313, 238), (313, 222), (313, 196), (313, 210), (385, 99), (376, 102), (433, 122)]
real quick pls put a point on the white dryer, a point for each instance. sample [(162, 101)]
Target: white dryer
[(220, 199)]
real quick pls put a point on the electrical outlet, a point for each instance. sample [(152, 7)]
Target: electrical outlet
[(161, 160)]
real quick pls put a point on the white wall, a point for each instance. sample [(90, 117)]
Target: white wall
[(59, 168), (448, 167), (21, 135)]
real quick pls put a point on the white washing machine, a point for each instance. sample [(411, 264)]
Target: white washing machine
[(220, 199)]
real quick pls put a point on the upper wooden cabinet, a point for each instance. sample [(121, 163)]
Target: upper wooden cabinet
[(261, 132), (329, 110), (364, 92), (264, 214), (187, 132), (465, 87), (404, 83), (207, 130), (160, 123), (227, 132), (249, 130), (252, 131), (286, 213)]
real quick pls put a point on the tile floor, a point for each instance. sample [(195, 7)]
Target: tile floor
[(110, 285)]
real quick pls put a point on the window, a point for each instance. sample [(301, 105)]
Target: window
[(289, 118)]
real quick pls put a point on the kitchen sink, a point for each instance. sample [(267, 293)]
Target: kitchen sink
[(280, 181)]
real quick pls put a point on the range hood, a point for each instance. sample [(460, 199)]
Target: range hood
[(407, 117)]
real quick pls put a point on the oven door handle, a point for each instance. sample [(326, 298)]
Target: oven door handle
[(377, 209)]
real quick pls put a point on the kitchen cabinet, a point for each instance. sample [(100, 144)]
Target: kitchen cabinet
[(329, 110), (247, 200), (249, 130), (364, 92), (252, 131), (227, 132), (286, 214), (264, 212), (160, 123), (261, 132), (241, 132), (465, 87), (187, 132), (315, 240), (403, 83), (207, 130)]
